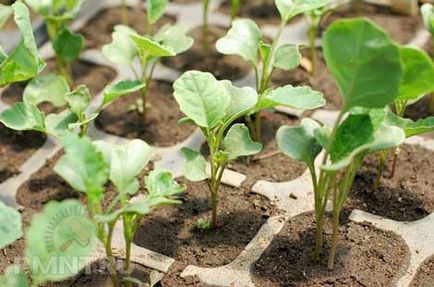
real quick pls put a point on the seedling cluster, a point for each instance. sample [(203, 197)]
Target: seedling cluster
[(118, 187)]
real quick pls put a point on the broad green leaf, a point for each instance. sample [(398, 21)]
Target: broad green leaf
[(126, 162), (242, 39), (59, 11), (202, 98), (159, 183), (287, 57), (364, 62), (322, 136), (121, 50), (113, 92), (68, 45), (23, 62), (418, 74), (238, 142), (83, 166), (5, 12), (60, 123), (14, 277), (149, 48), (22, 117), (10, 225), (290, 8), (78, 100), (427, 11), (174, 38), (58, 240), (293, 97), (155, 9), (299, 142), (411, 128), (50, 88), (195, 166), (241, 99)]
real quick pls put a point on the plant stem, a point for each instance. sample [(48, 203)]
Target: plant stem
[(383, 156), (124, 13), (395, 159), (331, 260), (205, 44), (109, 253), (431, 104), (62, 68), (312, 43)]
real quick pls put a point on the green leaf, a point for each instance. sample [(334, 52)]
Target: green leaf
[(83, 166), (22, 116), (418, 74), (155, 9), (149, 48), (121, 50), (57, 241), (242, 39), (50, 88), (113, 92), (364, 62), (202, 98), (299, 143), (5, 12), (287, 57), (238, 142), (411, 128), (23, 63), (59, 124), (159, 183), (10, 225), (14, 277), (57, 11), (78, 100), (241, 99), (174, 38), (290, 8), (427, 11), (68, 45), (293, 97), (195, 166), (126, 163)]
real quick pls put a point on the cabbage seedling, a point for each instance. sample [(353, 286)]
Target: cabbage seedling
[(79, 112), (128, 46), (245, 39), (88, 166), (12, 67), (214, 106), (67, 45), (369, 77)]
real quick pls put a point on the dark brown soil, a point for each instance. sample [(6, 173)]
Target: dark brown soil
[(222, 66), (408, 196), (365, 257), (269, 164), (173, 230), (261, 11), (98, 31), (420, 109), (322, 81), (95, 77), (425, 275), (400, 27), (161, 127)]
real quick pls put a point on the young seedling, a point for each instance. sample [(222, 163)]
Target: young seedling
[(78, 113), (427, 11), (205, 12), (13, 67), (155, 10), (88, 166), (417, 82), (214, 106), (245, 39), (57, 243), (368, 77), (128, 46), (66, 44)]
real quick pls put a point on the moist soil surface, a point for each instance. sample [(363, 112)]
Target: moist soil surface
[(221, 66), (161, 127), (365, 257), (173, 230), (408, 196), (401, 28), (425, 275), (98, 31), (270, 164), (263, 12)]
